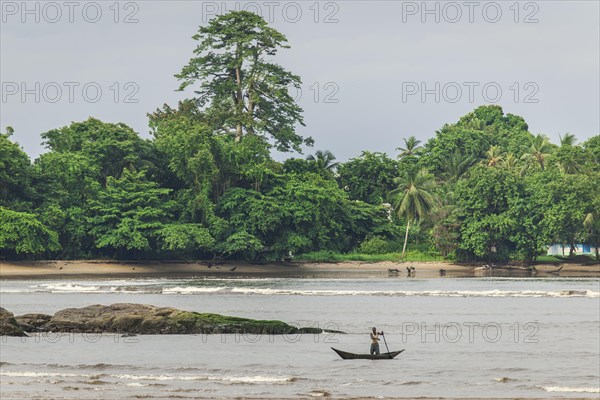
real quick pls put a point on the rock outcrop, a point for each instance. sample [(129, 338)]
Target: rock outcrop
[(9, 325), (33, 322), (149, 320)]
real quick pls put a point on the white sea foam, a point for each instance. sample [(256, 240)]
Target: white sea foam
[(69, 287), (232, 288), (566, 389), (32, 374), (253, 379), (131, 377), (158, 377), (138, 384), (109, 287), (431, 293), (191, 290), (232, 379)]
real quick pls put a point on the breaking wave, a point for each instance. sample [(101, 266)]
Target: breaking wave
[(192, 290), (271, 288), (565, 389)]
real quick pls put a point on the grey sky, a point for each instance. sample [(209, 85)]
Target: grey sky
[(367, 60)]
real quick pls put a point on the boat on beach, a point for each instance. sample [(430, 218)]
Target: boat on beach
[(353, 356)]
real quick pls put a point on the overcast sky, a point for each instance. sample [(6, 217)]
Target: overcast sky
[(373, 71)]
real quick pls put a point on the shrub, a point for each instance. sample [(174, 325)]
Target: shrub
[(374, 245)]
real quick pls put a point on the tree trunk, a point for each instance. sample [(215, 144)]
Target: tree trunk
[(405, 238), (251, 85), (250, 128), (238, 132), (239, 97), (239, 104), (572, 250)]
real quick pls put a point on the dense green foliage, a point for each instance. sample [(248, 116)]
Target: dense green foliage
[(235, 78), (15, 173), (23, 233), (206, 186)]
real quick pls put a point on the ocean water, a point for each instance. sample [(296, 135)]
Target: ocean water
[(464, 337)]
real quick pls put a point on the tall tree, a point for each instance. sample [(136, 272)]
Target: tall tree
[(240, 87), (413, 199)]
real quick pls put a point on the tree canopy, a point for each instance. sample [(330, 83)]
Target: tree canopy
[(205, 185), (238, 85)]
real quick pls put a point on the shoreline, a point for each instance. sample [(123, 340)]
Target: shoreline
[(236, 269)]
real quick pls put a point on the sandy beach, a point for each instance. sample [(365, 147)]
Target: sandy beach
[(171, 269)]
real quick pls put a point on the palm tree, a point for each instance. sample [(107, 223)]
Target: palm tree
[(568, 139), (414, 198), (539, 150), (495, 156), (456, 166), (411, 148), (509, 161), (324, 160)]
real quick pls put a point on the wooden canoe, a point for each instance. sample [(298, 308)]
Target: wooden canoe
[(352, 356)]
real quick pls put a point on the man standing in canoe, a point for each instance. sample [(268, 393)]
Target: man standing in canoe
[(375, 341)]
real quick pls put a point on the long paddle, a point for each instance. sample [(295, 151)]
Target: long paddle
[(386, 347)]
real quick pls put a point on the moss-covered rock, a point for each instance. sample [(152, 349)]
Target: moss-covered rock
[(147, 319)]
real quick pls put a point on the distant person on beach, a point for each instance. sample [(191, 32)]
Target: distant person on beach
[(375, 341)]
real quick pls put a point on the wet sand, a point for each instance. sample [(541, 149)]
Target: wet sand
[(351, 269)]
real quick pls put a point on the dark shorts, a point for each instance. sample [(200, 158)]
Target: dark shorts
[(374, 348)]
